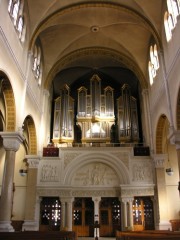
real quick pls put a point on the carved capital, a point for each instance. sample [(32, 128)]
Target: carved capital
[(159, 160), (33, 161), (12, 140)]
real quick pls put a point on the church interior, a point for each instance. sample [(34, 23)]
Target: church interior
[(89, 116)]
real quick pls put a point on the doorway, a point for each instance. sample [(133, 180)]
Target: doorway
[(50, 214), (110, 216), (83, 217), (143, 214)]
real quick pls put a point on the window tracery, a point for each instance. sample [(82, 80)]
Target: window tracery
[(170, 17), (15, 9), (37, 63), (153, 63)]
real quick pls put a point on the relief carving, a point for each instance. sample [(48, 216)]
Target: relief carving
[(95, 174), (68, 157), (49, 173), (141, 172)]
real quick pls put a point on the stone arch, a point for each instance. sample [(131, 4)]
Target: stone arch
[(97, 158), (9, 100), (161, 133), (178, 111), (123, 60), (29, 131)]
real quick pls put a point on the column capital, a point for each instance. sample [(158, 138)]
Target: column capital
[(127, 199), (33, 160), (12, 140), (159, 160), (96, 199)]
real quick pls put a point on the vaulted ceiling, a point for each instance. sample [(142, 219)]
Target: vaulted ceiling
[(111, 38)]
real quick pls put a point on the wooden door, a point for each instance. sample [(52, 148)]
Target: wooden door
[(110, 217), (143, 217), (83, 217), (50, 214)]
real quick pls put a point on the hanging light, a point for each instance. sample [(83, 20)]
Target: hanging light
[(23, 169), (23, 172), (169, 171)]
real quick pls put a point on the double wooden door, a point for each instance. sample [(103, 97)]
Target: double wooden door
[(109, 217)]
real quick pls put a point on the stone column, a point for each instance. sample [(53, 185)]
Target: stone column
[(63, 214), (69, 214), (163, 223), (30, 222), (124, 214), (11, 142), (130, 215), (96, 201)]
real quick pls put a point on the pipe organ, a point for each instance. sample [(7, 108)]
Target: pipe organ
[(63, 128), (95, 114), (127, 116)]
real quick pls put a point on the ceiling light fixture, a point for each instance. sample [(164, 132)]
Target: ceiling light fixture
[(95, 29)]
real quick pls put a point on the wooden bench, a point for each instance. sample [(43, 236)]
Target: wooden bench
[(38, 235), (147, 235)]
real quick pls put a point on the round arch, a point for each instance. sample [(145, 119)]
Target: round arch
[(100, 51), (161, 133), (8, 95), (111, 161), (29, 131)]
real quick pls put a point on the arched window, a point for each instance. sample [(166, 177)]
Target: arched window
[(37, 63), (153, 63), (170, 17), (15, 9)]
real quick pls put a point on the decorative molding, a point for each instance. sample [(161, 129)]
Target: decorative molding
[(5, 40), (130, 191), (68, 158), (96, 193), (42, 192)]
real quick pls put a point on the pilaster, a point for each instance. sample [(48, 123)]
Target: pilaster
[(163, 222), (30, 222)]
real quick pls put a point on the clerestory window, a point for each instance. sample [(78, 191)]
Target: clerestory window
[(37, 63), (170, 17), (15, 9), (153, 63)]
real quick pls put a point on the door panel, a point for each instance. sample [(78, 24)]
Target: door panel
[(143, 217), (50, 214), (110, 216), (83, 217)]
